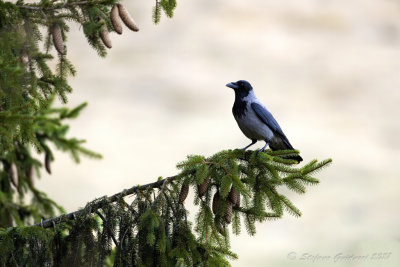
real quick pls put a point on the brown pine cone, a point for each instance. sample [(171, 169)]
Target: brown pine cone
[(115, 19), (13, 174), (57, 38), (228, 212), (31, 174), (202, 188), (105, 37), (126, 18), (184, 193), (234, 197), (215, 202), (47, 161)]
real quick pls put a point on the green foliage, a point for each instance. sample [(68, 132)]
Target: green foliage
[(32, 75), (46, 126), (29, 125), (153, 229), (257, 177), (168, 6)]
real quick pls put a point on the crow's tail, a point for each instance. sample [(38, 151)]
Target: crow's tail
[(282, 143), (297, 157)]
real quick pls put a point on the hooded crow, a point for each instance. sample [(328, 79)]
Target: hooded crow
[(255, 121)]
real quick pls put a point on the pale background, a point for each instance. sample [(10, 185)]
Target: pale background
[(327, 70)]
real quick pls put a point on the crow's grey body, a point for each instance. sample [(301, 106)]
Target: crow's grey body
[(249, 122), (255, 121)]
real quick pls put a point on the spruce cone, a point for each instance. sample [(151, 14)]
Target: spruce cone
[(115, 20), (228, 212), (126, 18), (215, 202), (105, 37), (234, 197), (31, 174), (57, 38), (13, 174), (203, 187), (184, 193), (47, 161)]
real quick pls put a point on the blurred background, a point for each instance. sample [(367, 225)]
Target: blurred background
[(327, 69)]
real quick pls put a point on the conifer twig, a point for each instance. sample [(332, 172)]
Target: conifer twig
[(58, 6), (160, 184), (108, 228), (71, 216), (162, 189)]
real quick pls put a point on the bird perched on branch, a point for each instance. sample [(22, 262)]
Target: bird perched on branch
[(255, 121)]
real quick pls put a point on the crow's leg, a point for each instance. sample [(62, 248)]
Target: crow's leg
[(253, 141), (264, 147)]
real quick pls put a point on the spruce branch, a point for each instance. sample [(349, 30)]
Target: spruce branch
[(99, 203), (42, 7), (154, 229), (275, 200)]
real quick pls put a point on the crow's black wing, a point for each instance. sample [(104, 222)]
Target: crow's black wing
[(265, 116), (279, 141)]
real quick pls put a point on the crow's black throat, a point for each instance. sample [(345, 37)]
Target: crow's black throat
[(239, 107)]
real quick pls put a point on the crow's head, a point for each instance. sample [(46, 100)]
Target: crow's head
[(241, 87)]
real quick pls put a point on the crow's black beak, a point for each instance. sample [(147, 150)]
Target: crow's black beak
[(233, 85)]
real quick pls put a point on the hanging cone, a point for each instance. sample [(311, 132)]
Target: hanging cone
[(47, 161), (202, 188), (105, 37), (57, 38), (126, 18), (13, 174), (234, 197), (184, 193), (215, 202), (115, 19), (228, 212), (31, 175)]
